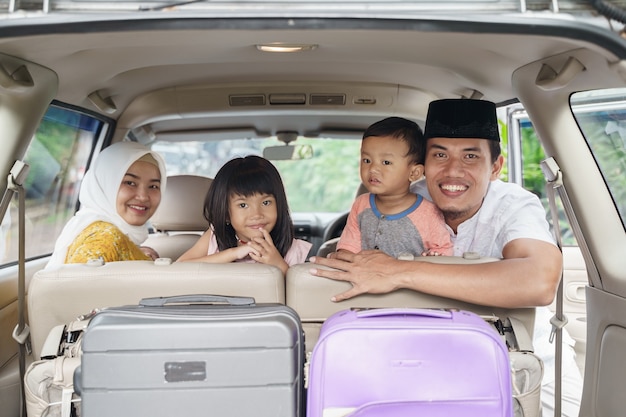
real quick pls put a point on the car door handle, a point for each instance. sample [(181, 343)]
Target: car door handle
[(576, 292)]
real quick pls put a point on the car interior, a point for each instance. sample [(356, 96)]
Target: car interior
[(298, 82)]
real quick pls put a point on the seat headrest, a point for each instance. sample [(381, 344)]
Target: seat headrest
[(182, 204)]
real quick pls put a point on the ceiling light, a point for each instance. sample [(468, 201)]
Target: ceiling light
[(284, 47)]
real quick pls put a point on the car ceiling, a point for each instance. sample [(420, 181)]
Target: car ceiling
[(179, 75)]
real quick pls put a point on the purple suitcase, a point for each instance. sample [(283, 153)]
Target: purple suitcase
[(409, 362)]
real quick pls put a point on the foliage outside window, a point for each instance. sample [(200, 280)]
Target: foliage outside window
[(601, 116), (327, 182), (532, 154), (57, 157)]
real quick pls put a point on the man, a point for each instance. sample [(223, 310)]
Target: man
[(484, 215)]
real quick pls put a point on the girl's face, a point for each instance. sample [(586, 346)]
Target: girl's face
[(249, 214), (139, 194)]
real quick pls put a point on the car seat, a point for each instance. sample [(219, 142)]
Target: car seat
[(179, 221)]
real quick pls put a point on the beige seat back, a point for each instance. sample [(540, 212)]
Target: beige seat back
[(179, 221), (310, 297), (60, 295)]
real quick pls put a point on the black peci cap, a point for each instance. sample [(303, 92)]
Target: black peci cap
[(462, 118)]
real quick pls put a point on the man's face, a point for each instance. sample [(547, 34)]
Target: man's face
[(458, 173)]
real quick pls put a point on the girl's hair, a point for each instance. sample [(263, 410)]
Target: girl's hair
[(247, 176)]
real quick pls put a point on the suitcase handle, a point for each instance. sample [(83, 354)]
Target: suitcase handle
[(197, 298), (419, 312)]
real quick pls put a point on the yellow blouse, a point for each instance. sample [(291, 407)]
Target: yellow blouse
[(102, 239)]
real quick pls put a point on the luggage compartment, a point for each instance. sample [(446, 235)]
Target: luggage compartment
[(193, 356), (399, 362)]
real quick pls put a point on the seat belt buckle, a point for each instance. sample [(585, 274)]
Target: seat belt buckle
[(557, 324), (22, 337)]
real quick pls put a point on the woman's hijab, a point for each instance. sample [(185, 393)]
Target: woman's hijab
[(98, 196)]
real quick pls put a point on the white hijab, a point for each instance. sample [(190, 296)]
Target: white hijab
[(98, 195)]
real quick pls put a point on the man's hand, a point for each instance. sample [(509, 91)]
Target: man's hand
[(368, 272)]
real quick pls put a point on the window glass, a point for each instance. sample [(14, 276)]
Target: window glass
[(327, 182), (57, 156), (601, 116), (525, 153)]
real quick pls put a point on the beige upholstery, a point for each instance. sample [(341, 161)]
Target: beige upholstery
[(179, 221), (60, 295), (310, 297)]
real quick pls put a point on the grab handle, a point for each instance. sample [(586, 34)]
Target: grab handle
[(197, 298), (418, 312)]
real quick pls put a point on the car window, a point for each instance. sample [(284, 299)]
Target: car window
[(327, 182), (601, 116), (57, 156), (524, 152)]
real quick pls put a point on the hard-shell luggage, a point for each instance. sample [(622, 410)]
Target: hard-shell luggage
[(189, 356), (408, 362)]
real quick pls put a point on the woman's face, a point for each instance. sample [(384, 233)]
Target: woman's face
[(139, 194)]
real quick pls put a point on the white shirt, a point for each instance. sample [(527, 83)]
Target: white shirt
[(510, 212)]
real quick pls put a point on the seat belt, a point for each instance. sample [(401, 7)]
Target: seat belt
[(554, 181), (554, 184), (21, 333)]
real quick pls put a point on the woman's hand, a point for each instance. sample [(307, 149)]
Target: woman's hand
[(148, 251)]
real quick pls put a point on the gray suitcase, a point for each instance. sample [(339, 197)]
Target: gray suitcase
[(197, 355)]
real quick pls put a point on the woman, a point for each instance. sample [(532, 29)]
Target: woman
[(118, 195)]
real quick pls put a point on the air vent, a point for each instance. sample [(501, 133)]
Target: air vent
[(328, 99), (287, 99), (247, 100)]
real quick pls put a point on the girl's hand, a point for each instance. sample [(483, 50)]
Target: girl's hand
[(242, 251), (266, 252)]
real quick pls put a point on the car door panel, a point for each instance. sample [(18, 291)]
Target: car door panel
[(575, 283), (9, 348)]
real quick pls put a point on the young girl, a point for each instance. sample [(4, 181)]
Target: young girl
[(247, 208)]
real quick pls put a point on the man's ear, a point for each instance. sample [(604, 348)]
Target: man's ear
[(417, 172), (496, 168)]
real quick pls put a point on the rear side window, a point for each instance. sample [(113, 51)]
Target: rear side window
[(601, 116), (58, 156)]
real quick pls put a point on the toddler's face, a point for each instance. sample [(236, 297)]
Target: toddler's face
[(385, 167)]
